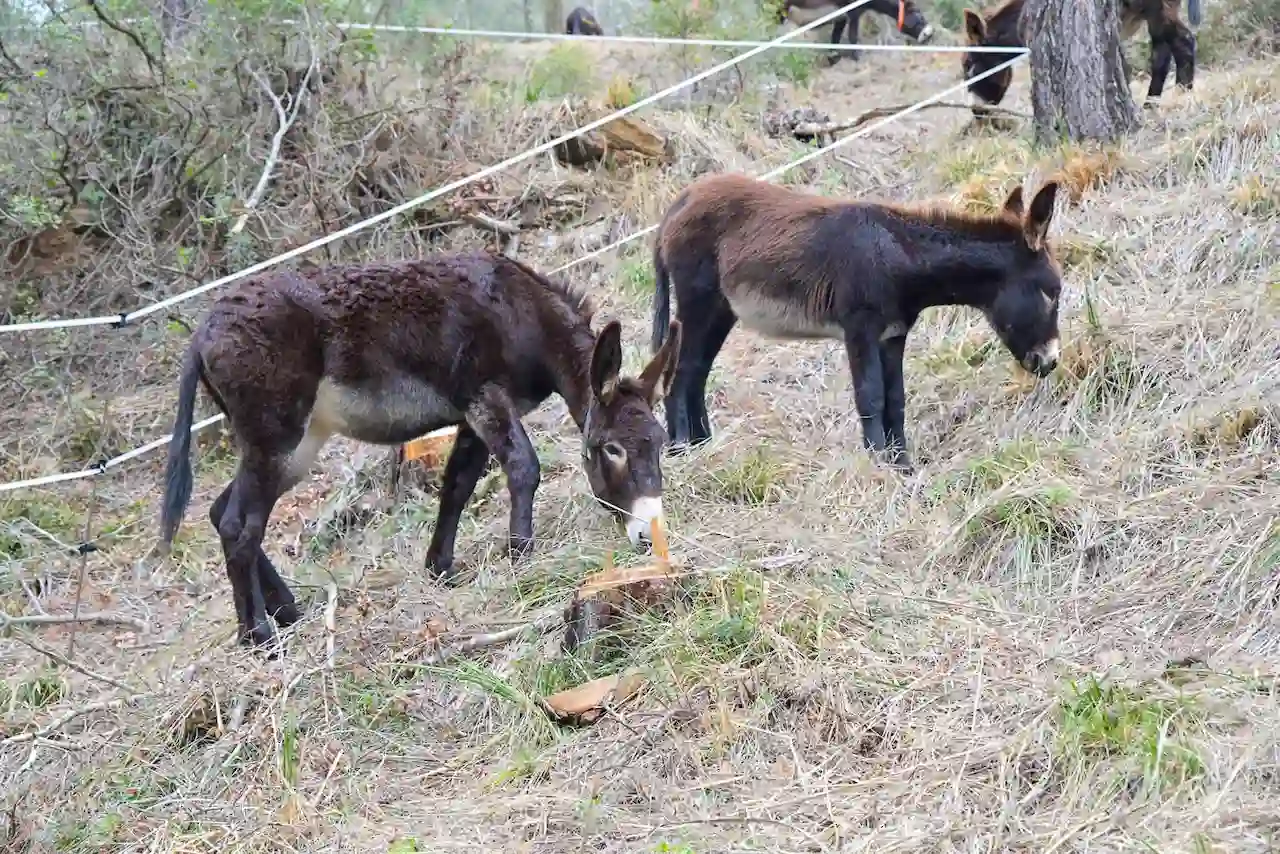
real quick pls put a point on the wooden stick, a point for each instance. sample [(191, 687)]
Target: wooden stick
[(58, 723), (819, 128), (542, 625), (101, 618), (79, 668), (330, 615)]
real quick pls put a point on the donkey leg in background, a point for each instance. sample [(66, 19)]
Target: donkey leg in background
[(496, 421), (895, 401), (461, 473), (706, 319), (863, 350), (852, 20), (1183, 44), (1161, 59)]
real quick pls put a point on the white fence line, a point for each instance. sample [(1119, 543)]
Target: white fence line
[(653, 40), (127, 317), (805, 158)]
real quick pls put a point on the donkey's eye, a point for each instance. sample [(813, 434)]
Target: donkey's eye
[(614, 451)]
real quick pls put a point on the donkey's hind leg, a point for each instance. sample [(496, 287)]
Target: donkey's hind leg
[(275, 593), (706, 320), (241, 527), (717, 329)]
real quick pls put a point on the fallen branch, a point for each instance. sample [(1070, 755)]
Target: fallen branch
[(284, 121), (541, 626), (479, 220), (101, 618), (330, 619), (805, 130), (79, 668), (58, 723)]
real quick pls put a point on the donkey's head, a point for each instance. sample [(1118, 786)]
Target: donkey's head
[(622, 441), (1024, 308), (911, 21), (989, 90)]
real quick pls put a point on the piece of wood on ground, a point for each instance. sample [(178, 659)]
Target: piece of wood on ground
[(430, 452), (603, 595), (586, 703), (627, 138)]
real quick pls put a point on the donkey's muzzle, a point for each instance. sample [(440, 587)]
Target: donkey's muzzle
[(642, 514), (1043, 359), (926, 35)]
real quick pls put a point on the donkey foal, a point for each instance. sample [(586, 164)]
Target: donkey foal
[(383, 353), (794, 265)]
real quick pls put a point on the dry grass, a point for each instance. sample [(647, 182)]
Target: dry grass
[(1059, 636)]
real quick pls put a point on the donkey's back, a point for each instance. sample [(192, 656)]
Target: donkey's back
[(383, 352)]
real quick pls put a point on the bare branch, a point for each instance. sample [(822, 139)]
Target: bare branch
[(284, 121), (152, 62), (101, 618), (66, 662), (59, 722), (811, 129)]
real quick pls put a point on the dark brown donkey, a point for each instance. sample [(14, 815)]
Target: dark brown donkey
[(910, 20), (798, 266), (383, 353), (1171, 42), (580, 22)]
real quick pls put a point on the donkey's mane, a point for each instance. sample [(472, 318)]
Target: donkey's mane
[(576, 298), (1001, 225)]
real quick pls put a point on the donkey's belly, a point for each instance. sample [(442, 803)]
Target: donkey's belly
[(779, 318), (394, 411), (800, 16)]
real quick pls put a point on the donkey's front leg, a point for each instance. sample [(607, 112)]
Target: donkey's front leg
[(462, 471), (895, 402), (497, 422), (863, 348)]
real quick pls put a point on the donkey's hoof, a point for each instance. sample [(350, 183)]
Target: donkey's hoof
[(446, 572), (260, 636), (287, 614), (518, 548)]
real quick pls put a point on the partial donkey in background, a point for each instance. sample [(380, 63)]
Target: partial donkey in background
[(794, 265), (910, 20), (1172, 42), (581, 22), (384, 353)]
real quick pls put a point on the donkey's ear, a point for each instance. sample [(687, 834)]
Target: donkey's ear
[(974, 27), (662, 367), (606, 361), (1013, 204), (1036, 224)]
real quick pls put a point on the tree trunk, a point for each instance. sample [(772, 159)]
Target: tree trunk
[(554, 16), (1078, 85)]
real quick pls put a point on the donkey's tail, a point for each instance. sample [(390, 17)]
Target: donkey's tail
[(177, 471), (1193, 12), (661, 297)]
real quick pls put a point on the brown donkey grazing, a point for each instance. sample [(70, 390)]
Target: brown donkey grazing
[(383, 353), (799, 266), (911, 21), (1171, 41), (580, 22)]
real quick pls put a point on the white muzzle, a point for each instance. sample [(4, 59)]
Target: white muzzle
[(643, 512)]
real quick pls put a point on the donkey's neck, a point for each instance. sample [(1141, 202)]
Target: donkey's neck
[(571, 370), (959, 264)]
